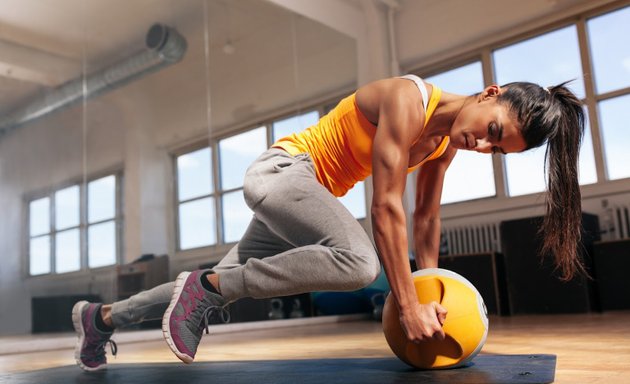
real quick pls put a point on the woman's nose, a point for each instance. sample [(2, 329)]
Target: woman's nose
[(483, 145)]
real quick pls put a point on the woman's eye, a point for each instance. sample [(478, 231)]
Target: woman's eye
[(491, 129)]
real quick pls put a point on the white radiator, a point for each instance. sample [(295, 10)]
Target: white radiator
[(479, 238)]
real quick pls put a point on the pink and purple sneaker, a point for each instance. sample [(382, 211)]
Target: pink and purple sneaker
[(191, 309), (90, 349)]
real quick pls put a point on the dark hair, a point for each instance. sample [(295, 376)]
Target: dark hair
[(554, 115)]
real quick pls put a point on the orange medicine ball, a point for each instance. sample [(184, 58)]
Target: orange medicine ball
[(466, 325)]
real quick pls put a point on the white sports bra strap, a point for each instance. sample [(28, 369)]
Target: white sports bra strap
[(421, 87)]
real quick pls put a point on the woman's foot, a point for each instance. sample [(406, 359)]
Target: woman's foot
[(192, 308), (90, 348)]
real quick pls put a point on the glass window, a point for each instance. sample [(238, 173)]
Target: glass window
[(67, 251), (285, 127), (67, 208), (39, 216), (525, 171), (102, 244), (39, 255), (236, 153), (59, 248), (610, 52), (354, 200), (547, 60), (197, 223), (236, 216), (587, 171), (615, 125), (470, 175), (102, 199), (194, 174), (527, 168)]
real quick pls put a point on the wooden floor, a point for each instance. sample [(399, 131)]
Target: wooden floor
[(591, 348)]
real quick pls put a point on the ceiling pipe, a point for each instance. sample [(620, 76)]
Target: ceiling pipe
[(165, 46)]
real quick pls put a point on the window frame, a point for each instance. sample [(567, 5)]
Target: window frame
[(83, 226), (483, 52)]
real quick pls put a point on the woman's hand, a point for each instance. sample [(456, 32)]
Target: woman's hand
[(423, 322)]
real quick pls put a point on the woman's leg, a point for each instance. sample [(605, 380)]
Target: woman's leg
[(301, 238)]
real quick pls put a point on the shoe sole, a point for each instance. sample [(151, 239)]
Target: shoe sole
[(166, 330), (78, 327)]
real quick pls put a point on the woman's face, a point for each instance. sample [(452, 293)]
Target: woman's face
[(487, 126)]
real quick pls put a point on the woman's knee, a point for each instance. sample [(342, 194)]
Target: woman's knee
[(366, 269)]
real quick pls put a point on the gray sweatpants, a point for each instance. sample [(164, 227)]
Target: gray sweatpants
[(300, 239)]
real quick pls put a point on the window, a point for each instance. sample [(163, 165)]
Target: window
[(615, 122), (470, 175), (39, 244), (211, 209), (58, 221), (67, 221), (101, 222), (196, 208), (610, 51), (294, 124), (354, 200), (236, 153), (611, 69), (547, 59)]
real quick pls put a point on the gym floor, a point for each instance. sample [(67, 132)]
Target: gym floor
[(590, 348)]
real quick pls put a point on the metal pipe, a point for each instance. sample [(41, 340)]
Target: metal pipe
[(165, 46)]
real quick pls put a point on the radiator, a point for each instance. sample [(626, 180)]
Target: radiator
[(480, 238), (620, 222)]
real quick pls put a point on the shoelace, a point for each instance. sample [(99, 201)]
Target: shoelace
[(100, 350), (205, 316)]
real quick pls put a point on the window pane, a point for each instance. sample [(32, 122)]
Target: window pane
[(470, 175), (39, 255), (525, 171), (67, 207), (67, 251), (587, 171), (547, 60), (102, 244), (354, 200), (194, 174), (236, 216), (237, 153), (197, 227), (39, 216), (610, 51), (465, 80), (282, 128), (102, 199), (615, 122)]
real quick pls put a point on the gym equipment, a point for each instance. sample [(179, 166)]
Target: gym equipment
[(465, 327)]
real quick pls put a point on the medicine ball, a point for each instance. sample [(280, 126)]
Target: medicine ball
[(465, 327)]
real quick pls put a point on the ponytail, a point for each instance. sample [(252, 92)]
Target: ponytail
[(555, 115)]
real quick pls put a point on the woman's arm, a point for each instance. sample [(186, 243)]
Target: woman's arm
[(398, 116), (426, 217)]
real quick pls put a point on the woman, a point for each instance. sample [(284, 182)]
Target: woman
[(302, 239)]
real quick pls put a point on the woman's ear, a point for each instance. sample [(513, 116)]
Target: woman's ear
[(490, 91)]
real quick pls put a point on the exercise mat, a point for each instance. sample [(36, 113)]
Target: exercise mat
[(483, 369)]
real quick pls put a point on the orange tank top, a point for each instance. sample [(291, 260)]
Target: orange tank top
[(340, 144)]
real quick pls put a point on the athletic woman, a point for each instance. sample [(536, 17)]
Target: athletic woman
[(301, 238)]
